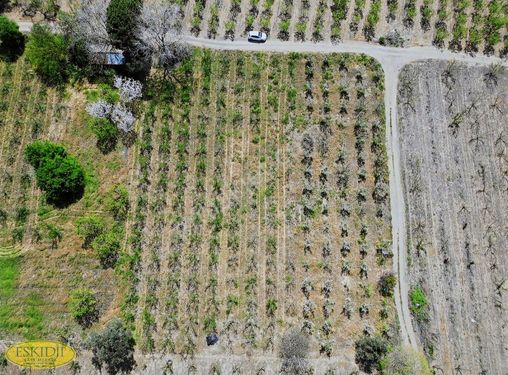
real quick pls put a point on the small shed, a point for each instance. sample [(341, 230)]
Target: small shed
[(106, 55)]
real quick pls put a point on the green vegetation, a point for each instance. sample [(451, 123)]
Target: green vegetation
[(405, 361), (48, 54), (59, 175), (83, 306), (386, 284), (418, 301), (122, 22), (369, 352), (28, 322), (106, 132), (117, 202), (107, 246), (12, 40), (113, 349), (89, 228)]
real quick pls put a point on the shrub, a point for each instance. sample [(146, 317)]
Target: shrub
[(107, 246), (89, 228), (54, 234), (12, 41), (106, 133), (405, 361), (386, 284), (38, 151), (113, 349), (117, 202), (369, 352), (83, 306), (294, 349), (418, 301), (48, 54)]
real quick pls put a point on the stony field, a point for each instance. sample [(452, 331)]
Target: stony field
[(454, 129), (462, 25)]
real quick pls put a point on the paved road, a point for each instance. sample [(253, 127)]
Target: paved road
[(392, 60)]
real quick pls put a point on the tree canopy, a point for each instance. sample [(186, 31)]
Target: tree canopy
[(12, 41), (122, 22), (113, 348), (59, 175), (369, 352)]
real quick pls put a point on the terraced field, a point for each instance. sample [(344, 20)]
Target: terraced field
[(262, 205), (462, 25)]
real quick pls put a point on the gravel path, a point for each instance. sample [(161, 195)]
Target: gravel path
[(392, 59)]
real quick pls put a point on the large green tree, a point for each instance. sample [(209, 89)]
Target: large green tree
[(12, 41), (59, 175), (370, 350), (113, 349), (48, 53), (122, 22)]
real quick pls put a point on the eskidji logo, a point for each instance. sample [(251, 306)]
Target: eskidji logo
[(40, 355)]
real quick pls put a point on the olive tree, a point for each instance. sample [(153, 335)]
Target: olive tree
[(294, 349), (113, 349)]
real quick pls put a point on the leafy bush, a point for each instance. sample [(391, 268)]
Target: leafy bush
[(418, 303), (48, 54), (89, 228), (117, 202), (107, 246), (386, 284), (106, 133), (12, 41), (113, 349), (405, 361), (83, 306), (59, 175), (369, 352), (54, 234)]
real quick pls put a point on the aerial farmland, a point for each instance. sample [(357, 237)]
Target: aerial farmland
[(323, 195)]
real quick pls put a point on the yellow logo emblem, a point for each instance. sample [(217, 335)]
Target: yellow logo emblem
[(40, 355)]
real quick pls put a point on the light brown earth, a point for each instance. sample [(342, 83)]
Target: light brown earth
[(454, 134)]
